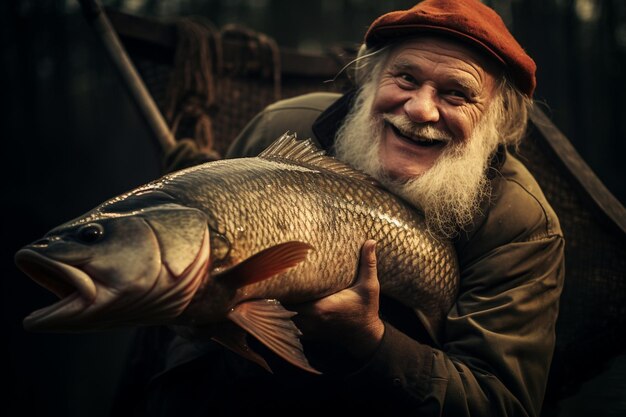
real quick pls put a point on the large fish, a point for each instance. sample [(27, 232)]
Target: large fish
[(220, 246)]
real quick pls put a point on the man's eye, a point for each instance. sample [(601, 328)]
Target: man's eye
[(456, 96), (406, 78), (457, 93)]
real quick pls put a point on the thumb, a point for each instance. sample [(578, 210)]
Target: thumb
[(368, 274)]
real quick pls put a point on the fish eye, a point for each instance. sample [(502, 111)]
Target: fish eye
[(90, 233)]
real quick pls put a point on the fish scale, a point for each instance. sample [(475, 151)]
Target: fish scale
[(335, 213)]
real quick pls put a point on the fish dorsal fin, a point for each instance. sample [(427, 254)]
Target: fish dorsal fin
[(271, 324), (305, 152), (266, 264)]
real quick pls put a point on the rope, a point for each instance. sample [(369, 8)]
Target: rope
[(194, 86), (192, 89)]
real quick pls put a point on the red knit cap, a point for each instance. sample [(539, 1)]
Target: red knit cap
[(469, 20)]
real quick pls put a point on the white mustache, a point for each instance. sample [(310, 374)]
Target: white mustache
[(414, 130)]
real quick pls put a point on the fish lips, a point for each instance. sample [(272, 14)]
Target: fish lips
[(73, 286)]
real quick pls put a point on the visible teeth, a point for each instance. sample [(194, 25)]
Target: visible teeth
[(418, 140)]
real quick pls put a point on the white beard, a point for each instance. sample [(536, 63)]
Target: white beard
[(449, 193)]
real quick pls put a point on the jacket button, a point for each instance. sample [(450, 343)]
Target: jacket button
[(397, 382)]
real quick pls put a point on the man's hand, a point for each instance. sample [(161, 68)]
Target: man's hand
[(348, 318)]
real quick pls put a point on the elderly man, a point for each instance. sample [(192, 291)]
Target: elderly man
[(443, 90)]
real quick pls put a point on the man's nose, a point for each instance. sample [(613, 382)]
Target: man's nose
[(421, 107)]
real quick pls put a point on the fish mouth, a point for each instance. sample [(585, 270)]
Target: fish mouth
[(74, 287)]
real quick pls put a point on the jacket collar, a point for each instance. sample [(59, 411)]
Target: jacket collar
[(328, 123)]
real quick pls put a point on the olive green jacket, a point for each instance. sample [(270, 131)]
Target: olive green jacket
[(499, 335)]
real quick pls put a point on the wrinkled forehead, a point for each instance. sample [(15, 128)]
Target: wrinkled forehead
[(453, 49)]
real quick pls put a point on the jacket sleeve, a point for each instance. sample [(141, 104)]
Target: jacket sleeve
[(499, 341), (499, 335)]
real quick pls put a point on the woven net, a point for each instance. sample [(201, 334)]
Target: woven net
[(592, 315)]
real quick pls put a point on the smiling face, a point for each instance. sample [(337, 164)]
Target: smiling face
[(432, 94)]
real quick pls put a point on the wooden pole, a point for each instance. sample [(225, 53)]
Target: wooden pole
[(148, 109)]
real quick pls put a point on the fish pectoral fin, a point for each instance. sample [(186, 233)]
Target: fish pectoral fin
[(271, 324), (235, 340), (265, 264)]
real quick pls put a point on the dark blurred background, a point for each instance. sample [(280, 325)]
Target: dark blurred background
[(72, 139)]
